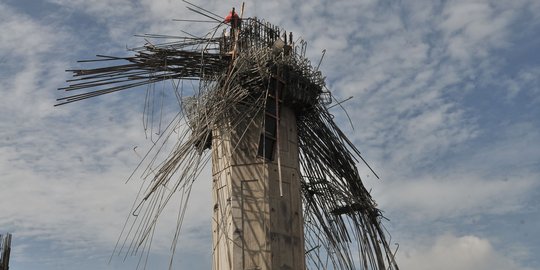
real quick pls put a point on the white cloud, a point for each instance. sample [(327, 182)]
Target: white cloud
[(472, 28), (496, 179), (32, 63), (409, 87), (22, 36), (467, 252), (425, 200), (118, 19), (526, 81), (408, 64), (102, 9), (64, 182)]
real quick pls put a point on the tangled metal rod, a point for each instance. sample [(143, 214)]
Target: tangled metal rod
[(342, 229)]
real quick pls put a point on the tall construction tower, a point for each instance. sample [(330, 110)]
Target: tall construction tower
[(285, 187), (257, 220)]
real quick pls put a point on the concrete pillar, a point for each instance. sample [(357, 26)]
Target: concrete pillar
[(253, 226)]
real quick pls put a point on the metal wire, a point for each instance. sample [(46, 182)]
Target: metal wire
[(343, 227)]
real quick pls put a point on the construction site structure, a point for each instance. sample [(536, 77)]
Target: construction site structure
[(257, 220), (5, 250), (285, 187)]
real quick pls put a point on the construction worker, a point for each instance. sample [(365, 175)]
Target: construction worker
[(233, 19)]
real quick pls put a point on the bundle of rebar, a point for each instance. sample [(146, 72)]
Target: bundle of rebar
[(343, 228)]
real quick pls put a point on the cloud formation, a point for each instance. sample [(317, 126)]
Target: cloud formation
[(451, 252), (445, 108)]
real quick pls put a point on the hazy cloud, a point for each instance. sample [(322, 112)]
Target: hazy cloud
[(443, 108), (467, 252)]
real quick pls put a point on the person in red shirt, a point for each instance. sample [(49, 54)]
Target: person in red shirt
[(233, 19)]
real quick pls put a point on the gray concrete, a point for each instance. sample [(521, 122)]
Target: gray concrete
[(253, 226)]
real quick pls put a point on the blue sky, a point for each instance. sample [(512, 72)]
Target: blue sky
[(446, 108)]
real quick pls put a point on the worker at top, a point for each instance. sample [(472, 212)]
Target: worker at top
[(233, 19)]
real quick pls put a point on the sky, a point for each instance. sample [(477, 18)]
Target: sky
[(445, 108)]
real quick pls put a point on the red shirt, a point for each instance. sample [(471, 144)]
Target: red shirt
[(231, 16)]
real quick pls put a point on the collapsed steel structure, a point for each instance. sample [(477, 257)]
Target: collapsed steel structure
[(236, 69)]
